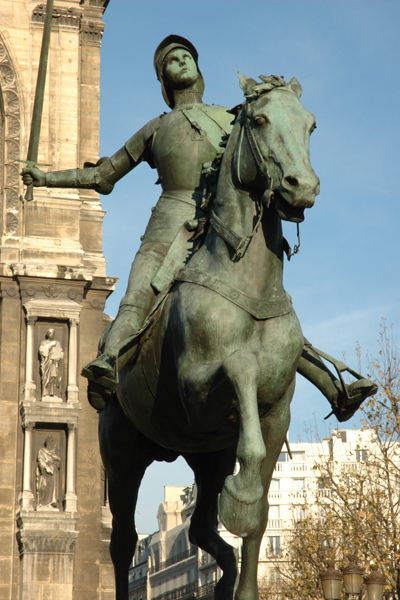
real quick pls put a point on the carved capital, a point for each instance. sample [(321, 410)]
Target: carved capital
[(47, 542), (73, 322), (30, 319), (91, 33)]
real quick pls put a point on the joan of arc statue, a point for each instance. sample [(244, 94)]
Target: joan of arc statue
[(178, 144)]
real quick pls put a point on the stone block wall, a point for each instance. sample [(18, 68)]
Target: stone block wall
[(54, 521)]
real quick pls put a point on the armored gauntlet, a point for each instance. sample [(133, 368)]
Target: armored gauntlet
[(96, 177)]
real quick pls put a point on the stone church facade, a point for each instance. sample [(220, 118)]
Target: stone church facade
[(54, 520)]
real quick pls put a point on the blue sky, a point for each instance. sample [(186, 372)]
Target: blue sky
[(346, 56)]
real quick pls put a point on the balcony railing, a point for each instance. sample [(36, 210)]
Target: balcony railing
[(281, 523), (137, 583), (173, 560), (206, 590), (186, 591), (286, 494), (294, 467)]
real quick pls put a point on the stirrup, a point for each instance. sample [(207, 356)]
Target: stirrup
[(360, 390), (99, 396), (104, 374)]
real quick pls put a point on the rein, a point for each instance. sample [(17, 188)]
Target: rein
[(237, 242)]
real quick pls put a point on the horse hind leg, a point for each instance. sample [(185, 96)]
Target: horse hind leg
[(126, 456), (239, 502), (210, 470)]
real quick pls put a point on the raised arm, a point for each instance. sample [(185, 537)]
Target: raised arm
[(103, 175)]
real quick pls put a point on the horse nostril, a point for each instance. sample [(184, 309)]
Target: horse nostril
[(292, 181)]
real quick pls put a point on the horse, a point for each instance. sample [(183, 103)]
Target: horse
[(216, 370)]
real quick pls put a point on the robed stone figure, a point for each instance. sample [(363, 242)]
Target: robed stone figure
[(48, 475), (51, 355)]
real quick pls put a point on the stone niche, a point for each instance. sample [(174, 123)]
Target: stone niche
[(58, 434), (61, 337)]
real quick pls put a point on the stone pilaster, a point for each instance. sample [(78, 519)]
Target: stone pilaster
[(52, 275), (72, 389), (70, 495)]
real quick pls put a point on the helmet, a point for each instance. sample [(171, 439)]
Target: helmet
[(172, 42)]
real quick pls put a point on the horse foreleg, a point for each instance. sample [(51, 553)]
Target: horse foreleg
[(210, 470), (274, 429), (242, 493), (125, 456)]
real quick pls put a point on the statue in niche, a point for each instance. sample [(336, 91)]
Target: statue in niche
[(51, 355), (47, 476)]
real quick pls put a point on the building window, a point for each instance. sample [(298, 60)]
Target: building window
[(274, 545), (298, 512), (323, 482), (273, 512), (283, 457), (361, 455), (299, 456), (298, 484), (275, 483), (274, 575)]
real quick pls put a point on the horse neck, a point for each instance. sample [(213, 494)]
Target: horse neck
[(259, 271)]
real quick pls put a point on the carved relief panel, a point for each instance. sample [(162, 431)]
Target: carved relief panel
[(10, 139)]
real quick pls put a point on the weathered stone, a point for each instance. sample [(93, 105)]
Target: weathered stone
[(47, 268)]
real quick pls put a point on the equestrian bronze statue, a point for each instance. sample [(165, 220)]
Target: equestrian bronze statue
[(202, 357)]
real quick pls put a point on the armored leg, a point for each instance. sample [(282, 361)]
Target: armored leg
[(344, 402), (134, 308)]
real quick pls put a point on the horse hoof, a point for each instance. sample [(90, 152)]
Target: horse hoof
[(239, 517), (240, 490)]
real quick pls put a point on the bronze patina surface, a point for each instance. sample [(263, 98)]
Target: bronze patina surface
[(212, 373)]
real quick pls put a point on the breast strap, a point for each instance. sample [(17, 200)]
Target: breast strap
[(257, 308)]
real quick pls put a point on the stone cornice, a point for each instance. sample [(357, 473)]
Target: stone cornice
[(33, 412), (86, 19), (62, 16), (46, 532)]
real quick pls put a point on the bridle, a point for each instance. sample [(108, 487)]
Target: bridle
[(238, 243)]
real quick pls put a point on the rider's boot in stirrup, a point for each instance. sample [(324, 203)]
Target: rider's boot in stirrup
[(348, 403), (102, 372)]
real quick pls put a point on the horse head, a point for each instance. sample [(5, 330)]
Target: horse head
[(273, 152)]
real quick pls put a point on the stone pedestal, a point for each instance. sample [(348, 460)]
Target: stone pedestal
[(47, 542)]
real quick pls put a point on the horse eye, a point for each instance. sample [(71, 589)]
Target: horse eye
[(260, 121)]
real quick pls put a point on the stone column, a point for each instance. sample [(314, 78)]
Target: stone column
[(30, 386), (27, 498), (72, 389), (70, 494)]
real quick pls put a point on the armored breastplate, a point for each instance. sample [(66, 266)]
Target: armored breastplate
[(186, 139)]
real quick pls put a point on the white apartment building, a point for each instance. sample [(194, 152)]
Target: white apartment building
[(167, 567)]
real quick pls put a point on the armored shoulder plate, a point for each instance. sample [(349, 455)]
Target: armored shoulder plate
[(137, 144), (221, 115)]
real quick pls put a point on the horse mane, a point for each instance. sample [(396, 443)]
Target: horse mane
[(252, 90)]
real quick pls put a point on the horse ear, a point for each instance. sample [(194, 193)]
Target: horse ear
[(247, 84), (296, 87)]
